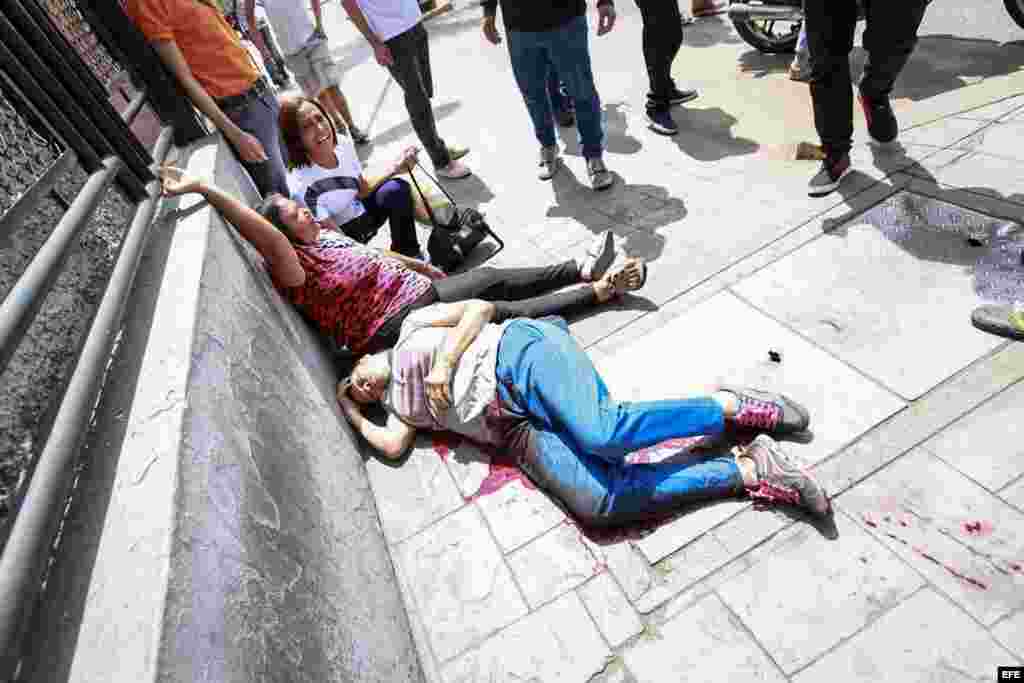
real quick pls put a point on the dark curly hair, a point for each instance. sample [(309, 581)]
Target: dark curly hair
[(288, 121), (270, 208)]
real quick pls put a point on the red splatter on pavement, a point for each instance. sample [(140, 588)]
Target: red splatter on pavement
[(1016, 567), (869, 520), (501, 467), (963, 577), (978, 528)]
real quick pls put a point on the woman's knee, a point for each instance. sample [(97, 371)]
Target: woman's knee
[(395, 194)]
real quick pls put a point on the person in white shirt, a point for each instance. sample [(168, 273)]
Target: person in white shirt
[(308, 56), (395, 31), (327, 177)]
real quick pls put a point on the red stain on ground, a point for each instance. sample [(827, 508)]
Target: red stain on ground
[(501, 468), (963, 577), (978, 528), (1016, 567)]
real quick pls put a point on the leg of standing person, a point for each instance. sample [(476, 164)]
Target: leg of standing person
[(259, 118), (830, 27), (662, 38), (569, 50), (532, 67), (889, 38), (411, 70)]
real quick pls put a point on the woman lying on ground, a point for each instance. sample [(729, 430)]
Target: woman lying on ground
[(526, 385), (327, 177), (359, 296)]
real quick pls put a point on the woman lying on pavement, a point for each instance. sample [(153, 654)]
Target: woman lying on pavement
[(527, 386), (359, 296)]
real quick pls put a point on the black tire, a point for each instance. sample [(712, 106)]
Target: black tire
[(1016, 10), (751, 31)]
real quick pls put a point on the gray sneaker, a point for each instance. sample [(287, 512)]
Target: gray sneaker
[(548, 162), (600, 177), (780, 480)]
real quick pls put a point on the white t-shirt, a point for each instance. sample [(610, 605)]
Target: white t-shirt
[(388, 18), (292, 22), (330, 192)]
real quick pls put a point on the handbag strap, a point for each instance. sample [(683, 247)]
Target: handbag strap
[(426, 202)]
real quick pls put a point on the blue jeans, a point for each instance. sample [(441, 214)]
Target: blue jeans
[(565, 48), (574, 437), (259, 119)]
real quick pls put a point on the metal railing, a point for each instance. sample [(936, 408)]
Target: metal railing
[(58, 64)]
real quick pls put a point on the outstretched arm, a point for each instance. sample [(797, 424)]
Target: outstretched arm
[(268, 240), (392, 440)]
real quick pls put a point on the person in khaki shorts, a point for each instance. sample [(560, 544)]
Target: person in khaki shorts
[(306, 52)]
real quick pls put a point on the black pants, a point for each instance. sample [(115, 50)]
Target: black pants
[(662, 38), (889, 39), (516, 293), (392, 202), (411, 70)]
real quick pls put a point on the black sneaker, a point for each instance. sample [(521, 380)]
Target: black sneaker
[(660, 121), (829, 176), (882, 125), (678, 96)]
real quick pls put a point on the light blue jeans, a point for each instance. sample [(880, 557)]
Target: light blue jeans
[(565, 48), (574, 436)]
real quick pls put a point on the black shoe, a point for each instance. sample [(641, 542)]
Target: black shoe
[(829, 176), (674, 96), (882, 125), (565, 118), (660, 121)]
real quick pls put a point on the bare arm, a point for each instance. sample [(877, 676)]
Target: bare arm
[(268, 240), (317, 14), (380, 50), (247, 145), (467, 319), (249, 11), (392, 440)]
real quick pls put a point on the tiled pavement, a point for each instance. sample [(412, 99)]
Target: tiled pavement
[(866, 295)]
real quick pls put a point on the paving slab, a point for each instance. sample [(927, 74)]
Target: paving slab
[(1010, 633), (415, 495), (984, 174), (555, 563), (842, 403), (682, 568), (947, 132), (925, 638), (965, 540), (630, 569), (517, 514), (706, 643), (882, 288), (997, 110), (459, 582), (556, 643), (610, 609), (987, 445), (823, 591), (1014, 494), (1000, 139)]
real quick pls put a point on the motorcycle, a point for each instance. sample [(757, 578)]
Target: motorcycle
[(773, 26)]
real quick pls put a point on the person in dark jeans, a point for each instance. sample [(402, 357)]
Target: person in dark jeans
[(542, 34), (395, 31), (889, 39), (662, 38), (561, 103)]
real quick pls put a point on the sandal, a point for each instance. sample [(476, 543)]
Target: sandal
[(623, 278)]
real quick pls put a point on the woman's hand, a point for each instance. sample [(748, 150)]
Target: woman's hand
[(406, 160), (439, 393), (175, 181)]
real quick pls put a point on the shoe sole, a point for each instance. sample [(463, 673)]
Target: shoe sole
[(993, 323), (658, 128), (447, 176), (548, 176), (831, 187), (604, 261), (779, 463), (684, 100), (603, 186)]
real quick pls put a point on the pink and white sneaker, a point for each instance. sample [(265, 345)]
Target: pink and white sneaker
[(781, 480), (767, 411)]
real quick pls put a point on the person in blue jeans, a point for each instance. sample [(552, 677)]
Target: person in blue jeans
[(526, 385), (546, 34)]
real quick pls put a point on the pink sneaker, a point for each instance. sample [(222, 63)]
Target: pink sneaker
[(768, 412), (454, 170), (780, 480)]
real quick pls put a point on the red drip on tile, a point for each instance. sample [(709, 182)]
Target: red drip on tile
[(963, 577), (978, 528)]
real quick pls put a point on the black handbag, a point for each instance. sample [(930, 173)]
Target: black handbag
[(450, 244)]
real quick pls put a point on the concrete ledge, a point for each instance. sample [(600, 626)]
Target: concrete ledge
[(226, 530)]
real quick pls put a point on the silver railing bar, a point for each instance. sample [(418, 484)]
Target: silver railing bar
[(132, 110), (25, 556), (28, 293)]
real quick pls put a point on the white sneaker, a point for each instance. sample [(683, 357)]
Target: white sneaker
[(548, 162), (454, 170)]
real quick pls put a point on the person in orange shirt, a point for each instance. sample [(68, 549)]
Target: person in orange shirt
[(206, 56)]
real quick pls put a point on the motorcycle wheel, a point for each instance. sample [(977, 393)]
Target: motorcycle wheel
[(1016, 10), (764, 34)]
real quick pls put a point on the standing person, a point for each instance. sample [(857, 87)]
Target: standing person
[(554, 33), (527, 386), (395, 32), (662, 38), (889, 39), (308, 56), (205, 54)]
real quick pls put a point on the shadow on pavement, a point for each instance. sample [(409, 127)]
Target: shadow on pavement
[(710, 31), (706, 134), (402, 129), (760, 64), (617, 139)]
